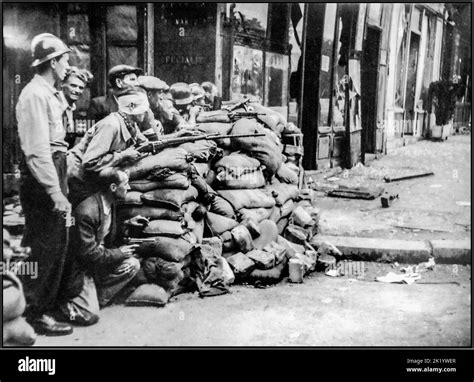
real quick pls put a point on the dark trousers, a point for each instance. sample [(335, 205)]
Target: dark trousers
[(47, 236)]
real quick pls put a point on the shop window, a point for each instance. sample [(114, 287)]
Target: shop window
[(276, 83), (251, 18), (122, 33), (247, 73)]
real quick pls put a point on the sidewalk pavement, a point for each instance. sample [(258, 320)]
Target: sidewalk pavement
[(431, 217)]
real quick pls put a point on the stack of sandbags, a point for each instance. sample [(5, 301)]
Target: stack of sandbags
[(162, 191), (16, 330)]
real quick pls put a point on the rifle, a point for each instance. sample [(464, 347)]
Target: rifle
[(236, 115), (237, 105), (154, 147)]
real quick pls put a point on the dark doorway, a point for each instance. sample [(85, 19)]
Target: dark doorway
[(369, 81)]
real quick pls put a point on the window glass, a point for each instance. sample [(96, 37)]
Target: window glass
[(122, 55), (122, 23), (276, 84), (247, 73), (252, 18), (326, 64)]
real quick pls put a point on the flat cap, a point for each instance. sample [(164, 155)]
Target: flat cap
[(120, 70), (152, 83)]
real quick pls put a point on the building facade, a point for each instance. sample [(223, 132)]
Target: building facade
[(354, 77)]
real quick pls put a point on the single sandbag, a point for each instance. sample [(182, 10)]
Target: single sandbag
[(148, 295), (174, 158), (168, 248), (202, 169), (132, 198), (255, 214), (269, 276), (268, 234), (296, 234), (166, 274), (240, 264), (227, 179), (151, 213), (267, 149), (242, 238), (275, 215), (171, 198), (202, 151), (237, 162), (165, 228), (220, 206), (219, 224), (282, 224), (287, 174), (247, 198), (176, 181), (287, 208), (272, 119), (262, 259), (282, 192)]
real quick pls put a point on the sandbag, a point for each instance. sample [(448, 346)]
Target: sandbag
[(287, 208), (291, 248), (282, 192), (262, 259), (13, 298), (148, 295), (296, 234), (202, 151), (170, 198), (18, 332), (151, 213), (247, 198), (255, 214), (242, 238), (176, 181), (202, 169), (267, 149), (165, 228), (168, 248), (278, 251), (237, 161), (268, 234), (228, 179), (269, 276), (174, 158), (287, 174), (271, 118), (220, 206), (219, 224), (275, 215), (167, 274), (282, 224), (132, 198), (240, 264), (220, 128), (213, 116)]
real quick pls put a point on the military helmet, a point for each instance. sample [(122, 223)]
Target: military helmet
[(45, 47)]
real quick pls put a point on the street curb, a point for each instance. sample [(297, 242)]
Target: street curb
[(402, 251)]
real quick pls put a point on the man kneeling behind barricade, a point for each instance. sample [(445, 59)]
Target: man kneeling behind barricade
[(104, 270)]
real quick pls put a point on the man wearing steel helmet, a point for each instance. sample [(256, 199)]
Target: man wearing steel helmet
[(43, 186), (120, 77)]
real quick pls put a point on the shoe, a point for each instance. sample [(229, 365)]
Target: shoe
[(48, 326)]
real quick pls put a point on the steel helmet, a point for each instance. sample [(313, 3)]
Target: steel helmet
[(45, 47), (181, 93)]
